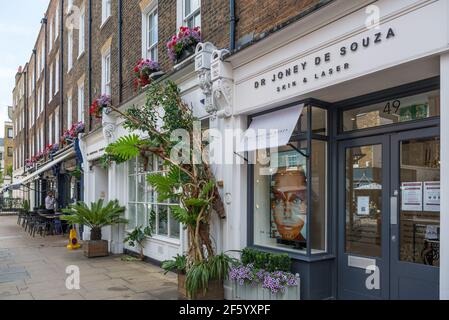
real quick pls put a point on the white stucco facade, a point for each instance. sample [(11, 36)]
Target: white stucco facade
[(413, 45)]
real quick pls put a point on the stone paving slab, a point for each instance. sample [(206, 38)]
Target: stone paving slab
[(35, 269)]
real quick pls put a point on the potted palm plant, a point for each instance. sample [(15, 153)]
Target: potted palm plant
[(189, 186), (95, 217)]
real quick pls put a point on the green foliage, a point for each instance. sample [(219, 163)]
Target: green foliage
[(266, 261), (213, 268), (125, 148), (26, 205), (76, 173), (97, 215), (178, 264)]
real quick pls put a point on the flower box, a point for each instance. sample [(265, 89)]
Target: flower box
[(183, 45), (144, 71), (255, 291)]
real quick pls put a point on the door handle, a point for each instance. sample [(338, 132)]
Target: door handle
[(394, 209)]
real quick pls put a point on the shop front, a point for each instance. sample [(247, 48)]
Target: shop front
[(351, 189)]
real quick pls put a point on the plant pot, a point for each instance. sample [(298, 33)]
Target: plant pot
[(156, 75), (96, 248), (187, 52), (215, 290)]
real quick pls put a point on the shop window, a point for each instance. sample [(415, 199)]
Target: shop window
[(406, 109), (143, 204), (290, 189)]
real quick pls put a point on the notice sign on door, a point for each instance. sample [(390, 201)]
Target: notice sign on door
[(412, 196), (432, 196), (363, 206)]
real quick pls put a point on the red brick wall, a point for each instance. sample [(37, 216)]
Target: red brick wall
[(256, 17)]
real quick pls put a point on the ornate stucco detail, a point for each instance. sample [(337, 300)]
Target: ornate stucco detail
[(203, 58), (109, 125), (222, 97), (222, 84), (205, 84)]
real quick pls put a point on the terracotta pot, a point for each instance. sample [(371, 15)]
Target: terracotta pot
[(215, 290)]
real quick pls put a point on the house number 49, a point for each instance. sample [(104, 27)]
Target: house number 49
[(392, 107)]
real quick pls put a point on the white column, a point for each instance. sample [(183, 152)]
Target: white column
[(444, 230)]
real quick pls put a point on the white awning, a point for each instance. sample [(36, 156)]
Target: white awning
[(271, 130), (48, 166)]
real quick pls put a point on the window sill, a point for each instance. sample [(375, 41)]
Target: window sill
[(81, 55), (105, 21), (163, 239)]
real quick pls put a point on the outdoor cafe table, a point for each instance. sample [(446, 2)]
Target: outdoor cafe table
[(52, 217)]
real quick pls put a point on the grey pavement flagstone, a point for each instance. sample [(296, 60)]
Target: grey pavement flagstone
[(35, 269)]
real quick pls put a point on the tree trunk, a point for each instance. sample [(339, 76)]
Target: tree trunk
[(95, 234)]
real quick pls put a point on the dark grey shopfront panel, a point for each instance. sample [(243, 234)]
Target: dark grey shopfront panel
[(389, 216), (363, 269), (415, 231)]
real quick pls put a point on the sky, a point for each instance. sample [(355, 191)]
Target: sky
[(19, 26)]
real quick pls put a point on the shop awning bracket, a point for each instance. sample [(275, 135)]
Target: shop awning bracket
[(307, 155)]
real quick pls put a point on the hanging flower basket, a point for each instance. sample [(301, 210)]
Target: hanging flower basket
[(103, 103), (183, 45), (143, 71)]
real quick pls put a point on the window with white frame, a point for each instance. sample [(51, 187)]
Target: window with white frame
[(150, 35), (106, 73), (42, 99), (50, 36), (42, 64), (70, 50), (50, 84), (69, 110), (32, 115), (57, 133), (81, 32), (50, 129), (41, 140), (191, 13), (81, 102), (57, 73), (33, 81), (56, 22), (105, 10), (143, 205)]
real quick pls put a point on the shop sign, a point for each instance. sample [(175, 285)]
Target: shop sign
[(324, 57), (321, 65)]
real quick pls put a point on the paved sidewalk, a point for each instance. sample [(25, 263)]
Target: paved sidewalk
[(35, 269)]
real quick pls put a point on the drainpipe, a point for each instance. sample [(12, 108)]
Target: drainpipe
[(233, 21), (25, 116), (44, 21), (89, 63), (61, 67), (35, 96), (120, 57)]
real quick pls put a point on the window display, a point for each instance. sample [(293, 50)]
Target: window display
[(290, 192)]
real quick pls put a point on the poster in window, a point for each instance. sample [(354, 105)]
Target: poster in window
[(412, 196), (432, 196), (289, 205)]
